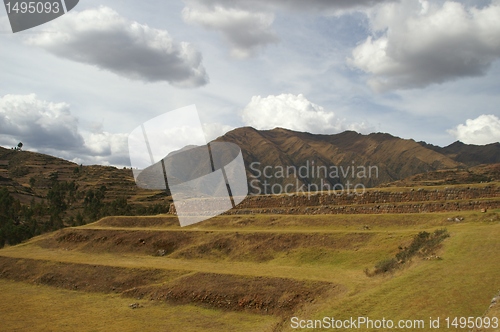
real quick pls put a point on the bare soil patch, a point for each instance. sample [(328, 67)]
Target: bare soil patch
[(263, 295)]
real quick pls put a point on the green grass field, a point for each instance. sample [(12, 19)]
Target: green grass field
[(274, 266)]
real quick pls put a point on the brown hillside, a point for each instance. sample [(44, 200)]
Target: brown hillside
[(42, 193), (469, 154), (383, 158), (476, 174), (394, 157), (29, 175)]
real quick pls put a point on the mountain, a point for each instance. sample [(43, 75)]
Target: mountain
[(349, 157), (469, 154), (277, 157)]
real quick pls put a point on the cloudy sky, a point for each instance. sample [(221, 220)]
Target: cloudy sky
[(77, 86)]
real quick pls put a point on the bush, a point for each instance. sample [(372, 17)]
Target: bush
[(19, 171), (423, 244), (386, 265)]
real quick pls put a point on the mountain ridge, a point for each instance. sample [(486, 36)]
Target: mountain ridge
[(396, 158), (469, 154)]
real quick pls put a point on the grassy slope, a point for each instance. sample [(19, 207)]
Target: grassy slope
[(27, 307), (461, 284)]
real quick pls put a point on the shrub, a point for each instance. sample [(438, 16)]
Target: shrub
[(386, 265), (423, 244)]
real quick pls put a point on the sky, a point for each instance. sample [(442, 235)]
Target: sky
[(77, 86)]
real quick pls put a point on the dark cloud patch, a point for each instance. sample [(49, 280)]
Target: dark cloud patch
[(50, 128), (39, 123)]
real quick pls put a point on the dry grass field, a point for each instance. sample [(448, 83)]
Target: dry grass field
[(247, 272)]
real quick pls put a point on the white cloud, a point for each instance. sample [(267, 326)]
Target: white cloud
[(105, 144), (245, 31), (482, 130), (415, 44), (5, 24), (215, 130), (101, 37), (293, 112), (105, 148), (50, 128)]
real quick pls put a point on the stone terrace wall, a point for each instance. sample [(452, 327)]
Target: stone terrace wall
[(373, 201), (370, 197), (376, 209)]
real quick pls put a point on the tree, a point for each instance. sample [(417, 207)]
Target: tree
[(53, 177), (57, 198), (13, 229), (18, 147), (93, 203)]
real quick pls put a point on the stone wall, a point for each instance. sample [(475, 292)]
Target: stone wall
[(371, 197), (373, 201)]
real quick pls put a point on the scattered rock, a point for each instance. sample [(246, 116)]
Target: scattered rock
[(134, 306), (432, 258), (161, 252)]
